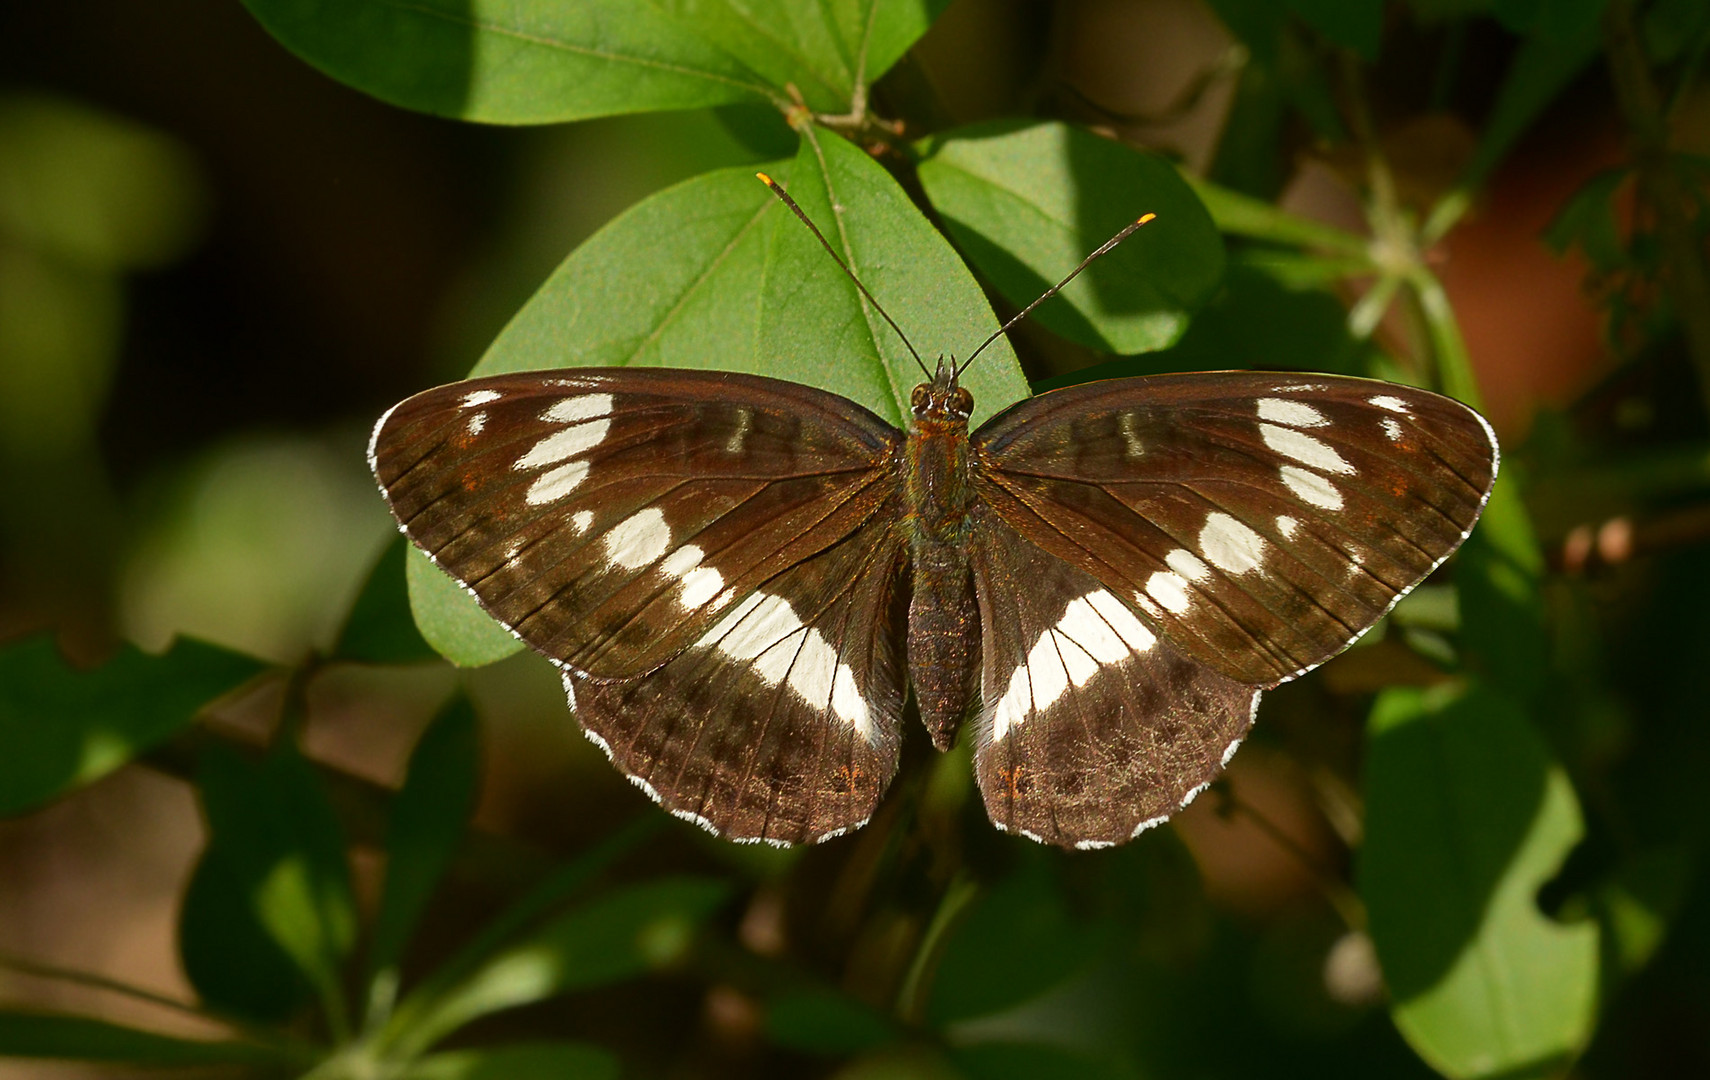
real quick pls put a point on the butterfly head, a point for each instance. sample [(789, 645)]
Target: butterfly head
[(942, 400)]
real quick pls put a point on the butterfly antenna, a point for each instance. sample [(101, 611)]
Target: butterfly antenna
[(778, 190), (1055, 289)]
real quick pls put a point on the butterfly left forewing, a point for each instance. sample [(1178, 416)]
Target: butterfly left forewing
[(608, 517), (1093, 728), (781, 722), (1259, 522)]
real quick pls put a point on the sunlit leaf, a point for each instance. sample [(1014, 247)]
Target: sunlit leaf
[(381, 629), (449, 618), (813, 47), (518, 1061), (1028, 201), (816, 328), (63, 728), (427, 822), (625, 933), (512, 61), (1467, 816), (80, 1038)]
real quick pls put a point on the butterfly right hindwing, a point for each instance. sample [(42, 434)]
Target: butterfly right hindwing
[(1093, 727)]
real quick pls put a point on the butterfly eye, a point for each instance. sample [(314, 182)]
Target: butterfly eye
[(920, 398), (963, 403)]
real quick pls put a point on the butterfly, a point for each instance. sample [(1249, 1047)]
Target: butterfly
[(741, 578)]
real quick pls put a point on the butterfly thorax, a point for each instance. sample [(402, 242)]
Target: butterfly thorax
[(943, 616)]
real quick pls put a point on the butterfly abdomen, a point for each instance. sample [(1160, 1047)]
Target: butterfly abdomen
[(943, 615)]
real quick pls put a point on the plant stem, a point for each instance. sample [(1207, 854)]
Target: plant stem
[(911, 999)]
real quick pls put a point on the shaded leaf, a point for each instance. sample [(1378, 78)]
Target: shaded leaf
[(1467, 816), (1029, 1061), (1352, 24), (272, 825), (815, 327), (828, 1023), (61, 728), (814, 47), (518, 1061), (79, 1038), (427, 821), (511, 62), (381, 629), (624, 933), (1028, 201), (1017, 941), (228, 955), (1562, 40), (1588, 221)]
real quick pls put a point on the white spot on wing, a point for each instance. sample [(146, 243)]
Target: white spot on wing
[(1170, 591), (765, 631), (700, 585), (1095, 630), (1292, 413), (1392, 428), (680, 562), (476, 423), (1287, 525), (638, 539), (1131, 630), (1187, 564), (573, 440), (556, 483), (1231, 545), (476, 398), (581, 519), (1309, 487), (573, 410), (1305, 449), (1393, 404)]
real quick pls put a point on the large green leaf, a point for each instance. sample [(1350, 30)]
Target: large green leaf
[(672, 282), (1467, 816), (61, 728), (518, 1061), (228, 955), (79, 1038), (813, 47), (1028, 201), (270, 824), (512, 61), (1562, 39), (427, 822), (624, 933), (816, 328)]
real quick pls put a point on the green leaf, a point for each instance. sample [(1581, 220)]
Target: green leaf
[(827, 1023), (229, 957), (625, 933), (427, 821), (518, 1061), (449, 618), (1352, 24), (79, 1038), (1556, 49), (511, 61), (1588, 221), (1467, 817), (1029, 201), (816, 328), (272, 825), (813, 47), (62, 728), (1243, 215), (1017, 941), (1031, 1061), (381, 628)]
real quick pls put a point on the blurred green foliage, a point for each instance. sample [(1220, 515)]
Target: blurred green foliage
[(1515, 876)]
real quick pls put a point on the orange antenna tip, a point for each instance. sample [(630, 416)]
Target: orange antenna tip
[(1144, 218), (764, 179)]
